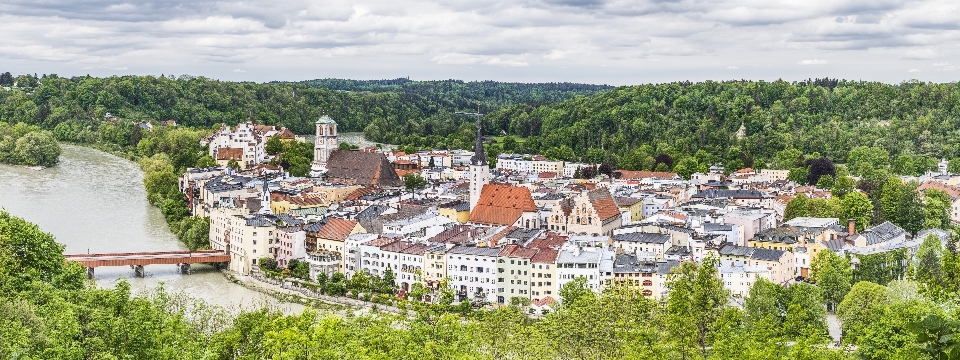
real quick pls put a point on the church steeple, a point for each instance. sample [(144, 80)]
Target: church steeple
[(479, 157)]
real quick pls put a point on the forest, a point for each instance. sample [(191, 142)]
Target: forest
[(49, 310)]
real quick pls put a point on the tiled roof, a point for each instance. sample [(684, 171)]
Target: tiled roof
[(734, 250), (545, 256), (517, 251), (502, 205), (380, 242), (637, 175), (336, 229), (285, 134), (230, 154), (603, 203), (474, 250), (953, 191), (626, 201), (363, 168)]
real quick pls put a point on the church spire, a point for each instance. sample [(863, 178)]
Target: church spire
[(479, 157)]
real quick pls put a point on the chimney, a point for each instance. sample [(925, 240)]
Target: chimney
[(851, 226)]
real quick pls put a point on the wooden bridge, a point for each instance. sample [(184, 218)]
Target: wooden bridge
[(137, 260)]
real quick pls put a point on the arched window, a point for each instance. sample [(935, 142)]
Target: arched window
[(647, 283)]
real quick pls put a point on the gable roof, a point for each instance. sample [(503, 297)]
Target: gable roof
[(640, 237), (364, 168), (953, 191), (502, 205), (766, 254), (336, 229)]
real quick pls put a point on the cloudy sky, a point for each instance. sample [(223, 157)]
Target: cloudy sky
[(593, 41)]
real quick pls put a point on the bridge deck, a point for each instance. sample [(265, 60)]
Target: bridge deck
[(150, 258)]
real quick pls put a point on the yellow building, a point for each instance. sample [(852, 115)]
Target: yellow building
[(632, 206), (458, 211)]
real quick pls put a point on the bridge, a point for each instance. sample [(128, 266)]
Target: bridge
[(137, 260)]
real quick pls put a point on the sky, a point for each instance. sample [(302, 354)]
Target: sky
[(590, 41)]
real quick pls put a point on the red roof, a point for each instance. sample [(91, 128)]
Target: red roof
[(953, 191), (635, 175), (285, 134), (502, 205), (336, 229), (744, 171), (547, 175)]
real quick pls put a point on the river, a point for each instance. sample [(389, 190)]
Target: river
[(95, 202)]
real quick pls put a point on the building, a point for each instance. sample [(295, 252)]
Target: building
[(473, 272), (576, 261), (479, 171), (651, 245), (361, 168), (458, 211), (247, 238), (513, 273), (291, 245), (332, 236), (505, 205), (324, 144), (593, 212), (951, 190)]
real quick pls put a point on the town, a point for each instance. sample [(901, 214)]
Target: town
[(517, 231)]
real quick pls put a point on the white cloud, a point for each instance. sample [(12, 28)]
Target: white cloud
[(239, 70), (913, 70), (940, 64), (525, 40), (919, 54), (498, 62)]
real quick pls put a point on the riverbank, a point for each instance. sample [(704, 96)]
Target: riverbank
[(288, 292)]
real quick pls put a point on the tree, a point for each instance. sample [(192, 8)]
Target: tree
[(765, 305), (825, 182), (796, 208), (787, 159), (953, 166), (575, 292), (902, 205), (665, 159), (833, 275), (695, 302), (6, 79), (904, 165), (274, 145), (927, 266), (38, 148), (806, 318), (855, 205), (866, 161), (859, 308), (843, 186), (817, 168), (206, 161), (605, 169), (936, 209), (413, 181), (233, 164)]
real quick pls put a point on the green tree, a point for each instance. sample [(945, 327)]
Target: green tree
[(861, 307), (902, 205), (576, 291), (206, 161), (833, 275), (274, 145), (797, 207), (843, 186), (233, 164), (927, 266), (786, 159), (936, 209), (37, 148), (413, 181), (695, 302), (855, 205)]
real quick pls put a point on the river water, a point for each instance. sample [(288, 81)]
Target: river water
[(95, 202)]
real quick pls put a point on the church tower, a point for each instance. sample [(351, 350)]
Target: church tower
[(479, 170), (323, 145)]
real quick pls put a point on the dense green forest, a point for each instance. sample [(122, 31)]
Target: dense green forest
[(49, 311), (735, 123), (466, 95)]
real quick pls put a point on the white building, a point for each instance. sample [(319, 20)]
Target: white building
[(473, 272), (290, 245), (479, 171), (323, 145), (576, 261)]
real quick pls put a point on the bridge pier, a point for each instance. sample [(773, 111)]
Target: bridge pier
[(138, 270), (185, 269), (90, 273)]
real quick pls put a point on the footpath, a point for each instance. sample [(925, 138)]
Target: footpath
[(288, 288)]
